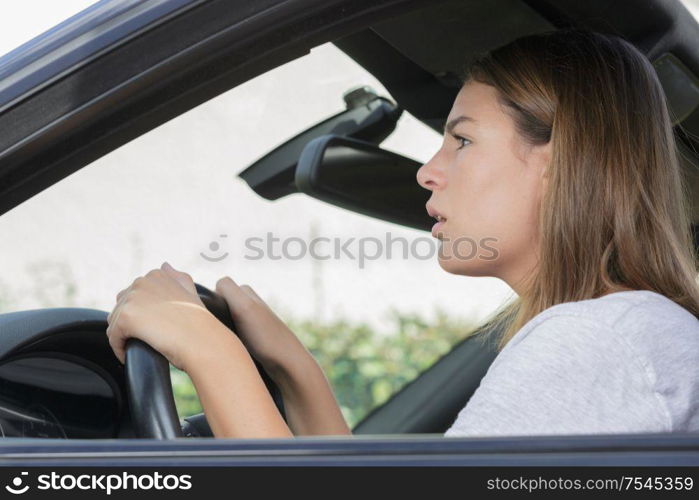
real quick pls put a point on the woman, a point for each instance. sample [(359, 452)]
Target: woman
[(559, 148)]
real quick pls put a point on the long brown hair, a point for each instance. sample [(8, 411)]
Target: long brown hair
[(615, 213)]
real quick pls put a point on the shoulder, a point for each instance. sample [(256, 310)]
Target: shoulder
[(637, 316), (625, 362)]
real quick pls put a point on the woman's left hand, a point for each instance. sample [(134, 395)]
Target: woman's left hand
[(164, 310)]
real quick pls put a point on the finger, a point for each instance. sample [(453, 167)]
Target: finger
[(251, 293), (182, 278), (234, 294), (116, 338), (119, 301)]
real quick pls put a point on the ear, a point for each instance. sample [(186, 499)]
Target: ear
[(542, 156)]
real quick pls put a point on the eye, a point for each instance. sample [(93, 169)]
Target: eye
[(461, 140)]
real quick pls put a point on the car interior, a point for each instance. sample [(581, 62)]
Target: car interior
[(58, 375)]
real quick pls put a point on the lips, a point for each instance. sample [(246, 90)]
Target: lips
[(441, 219)]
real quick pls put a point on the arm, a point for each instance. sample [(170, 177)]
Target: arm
[(224, 367), (309, 403), (234, 397), (231, 391)]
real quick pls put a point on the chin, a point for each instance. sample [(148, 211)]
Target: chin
[(473, 267)]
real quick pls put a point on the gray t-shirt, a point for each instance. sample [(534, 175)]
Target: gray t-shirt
[(627, 362)]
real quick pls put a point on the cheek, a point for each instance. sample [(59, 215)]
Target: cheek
[(482, 192), (494, 197)]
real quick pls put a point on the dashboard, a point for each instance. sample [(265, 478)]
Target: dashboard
[(52, 395), (59, 377)]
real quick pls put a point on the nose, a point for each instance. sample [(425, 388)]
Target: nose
[(430, 175)]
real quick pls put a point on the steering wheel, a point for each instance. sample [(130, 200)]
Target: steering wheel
[(149, 389)]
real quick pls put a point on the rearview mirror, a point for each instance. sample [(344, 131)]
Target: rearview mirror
[(368, 117), (363, 178)]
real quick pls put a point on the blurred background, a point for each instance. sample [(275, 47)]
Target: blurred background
[(173, 194)]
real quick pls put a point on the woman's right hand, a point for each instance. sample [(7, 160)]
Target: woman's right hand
[(264, 334)]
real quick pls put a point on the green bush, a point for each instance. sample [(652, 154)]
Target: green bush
[(364, 367)]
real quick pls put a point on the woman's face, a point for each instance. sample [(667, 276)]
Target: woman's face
[(486, 184)]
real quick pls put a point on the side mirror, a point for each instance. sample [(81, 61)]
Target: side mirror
[(363, 178)]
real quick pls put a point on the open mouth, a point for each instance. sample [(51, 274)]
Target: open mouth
[(439, 217), (438, 225)]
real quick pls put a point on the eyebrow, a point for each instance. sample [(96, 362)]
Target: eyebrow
[(449, 127)]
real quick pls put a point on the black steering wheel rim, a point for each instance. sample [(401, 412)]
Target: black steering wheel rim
[(149, 388), (149, 391)]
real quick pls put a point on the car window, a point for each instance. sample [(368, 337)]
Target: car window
[(173, 195)]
